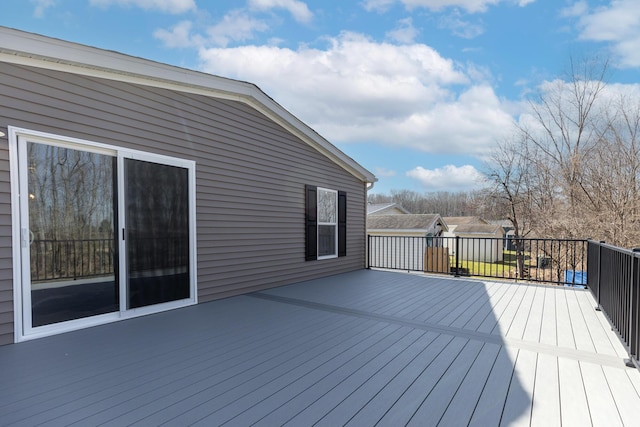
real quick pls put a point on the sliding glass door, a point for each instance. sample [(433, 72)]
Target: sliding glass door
[(72, 246), (105, 233), (157, 233)]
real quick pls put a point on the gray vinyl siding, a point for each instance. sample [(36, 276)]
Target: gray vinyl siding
[(250, 174), (6, 268)]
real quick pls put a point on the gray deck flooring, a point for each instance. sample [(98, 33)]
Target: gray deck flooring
[(362, 349)]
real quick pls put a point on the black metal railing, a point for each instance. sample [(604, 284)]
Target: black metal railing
[(558, 261), (71, 259), (54, 259), (614, 281)]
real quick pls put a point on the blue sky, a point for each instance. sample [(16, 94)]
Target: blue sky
[(417, 91)]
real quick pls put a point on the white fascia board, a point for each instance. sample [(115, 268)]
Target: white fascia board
[(23, 48)]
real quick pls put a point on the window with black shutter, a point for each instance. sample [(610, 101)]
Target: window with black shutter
[(326, 223)]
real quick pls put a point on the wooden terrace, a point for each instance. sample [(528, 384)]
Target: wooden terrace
[(364, 348)]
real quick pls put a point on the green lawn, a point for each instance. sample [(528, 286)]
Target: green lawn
[(504, 268)]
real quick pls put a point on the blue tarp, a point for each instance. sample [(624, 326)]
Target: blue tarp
[(576, 279)]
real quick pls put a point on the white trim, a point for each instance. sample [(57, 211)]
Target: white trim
[(22, 323), (319, 223), (23, 48), (15, 234)]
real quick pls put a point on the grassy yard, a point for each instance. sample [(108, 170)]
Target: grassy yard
[(505, 268)]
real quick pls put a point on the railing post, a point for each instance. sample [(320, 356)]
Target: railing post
[(457, 268), (368, 257), (631, 331), (598, 308)]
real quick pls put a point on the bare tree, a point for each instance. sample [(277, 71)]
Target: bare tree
[(510, 183)]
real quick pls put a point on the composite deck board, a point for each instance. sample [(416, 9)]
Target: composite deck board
[(489, 407), (583, 338), (166, 375), (229, 384), (603, 342), (624, 394), (491, 321), (461, 407), (362, 348), (545, 411), (341, 413), (432, 304), (548, 327), (464, 313), (515, 320), (405, 406), (452, 302), (564, 330), (313, 387), (602, 406), (354, 381), (573, 395), (290, 383), (376, 408), (504, 318), (485, 311), (532, 330), (517, 407), (146, 360)]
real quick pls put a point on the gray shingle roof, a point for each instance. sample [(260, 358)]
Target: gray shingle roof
[(478, 229), (460, 220), (373, 208), (402, 222)]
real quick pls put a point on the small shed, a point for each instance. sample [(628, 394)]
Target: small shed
[(479, 242)]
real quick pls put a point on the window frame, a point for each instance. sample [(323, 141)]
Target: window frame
[(322, 223), (311, 223)]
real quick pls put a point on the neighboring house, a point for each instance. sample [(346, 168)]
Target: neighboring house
[(130, 187), (509, 233), (454, 221), (386, 209), (406, 252), (479, 240), (420, 225)]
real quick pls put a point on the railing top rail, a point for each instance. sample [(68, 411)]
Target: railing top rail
[(626, 251)]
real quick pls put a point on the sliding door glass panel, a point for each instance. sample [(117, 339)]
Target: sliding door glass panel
[(157, 232), (72, 246)]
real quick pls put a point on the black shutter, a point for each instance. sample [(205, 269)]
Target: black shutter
[(311, 222), (342, 223)]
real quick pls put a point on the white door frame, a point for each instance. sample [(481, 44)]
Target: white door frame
[(23, 329)]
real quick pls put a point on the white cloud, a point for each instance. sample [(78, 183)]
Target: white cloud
[(179, 36), (235, 26), (619, 24), (382, 172), (471, 6), (41, 6), (579, 8), (405, 32), (460, 27), (297, 9), (377, 5), (167, 6), (447, 178), (357, 90)]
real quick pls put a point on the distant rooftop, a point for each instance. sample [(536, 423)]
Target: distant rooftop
[(383, 208), (478, 229), (463, 220), (404, 222)]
